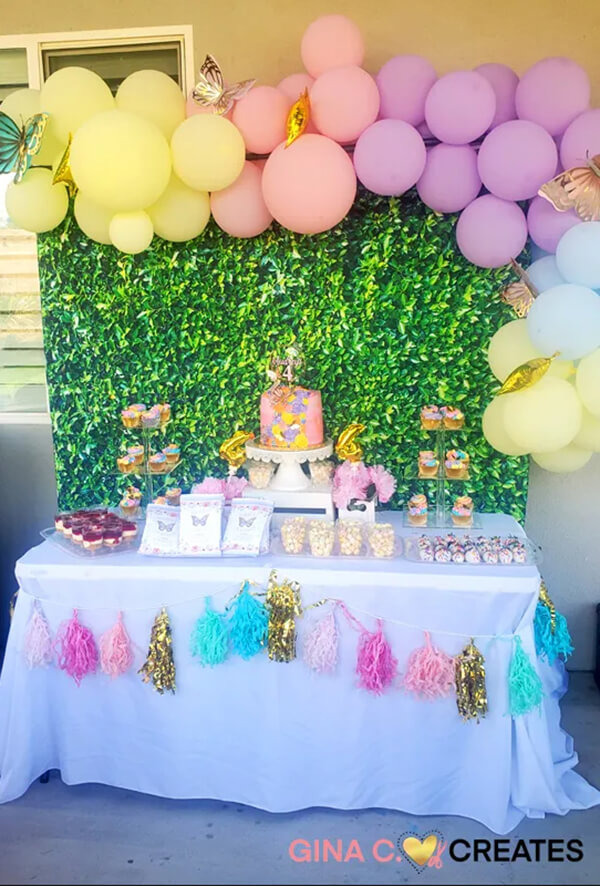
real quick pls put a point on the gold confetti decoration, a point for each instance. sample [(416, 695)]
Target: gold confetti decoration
[(159, 667), (471, 695), (63, 170), (347, 448), (527, 374), (232, 450), (545, 599), (298, 118), (283, 603), (522, 294)]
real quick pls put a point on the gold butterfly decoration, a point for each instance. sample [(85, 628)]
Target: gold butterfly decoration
[(63, 170), (520, 295), (298, 118), (577, 188), (210, 90)]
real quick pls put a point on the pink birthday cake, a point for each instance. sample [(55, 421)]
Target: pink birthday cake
[(291, 417)]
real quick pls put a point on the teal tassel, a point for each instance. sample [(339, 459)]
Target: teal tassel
[(524, 683), (248, 624), (209, 641), (551, 640)]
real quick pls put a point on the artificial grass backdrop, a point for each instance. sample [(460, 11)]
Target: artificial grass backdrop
[(388, 313)]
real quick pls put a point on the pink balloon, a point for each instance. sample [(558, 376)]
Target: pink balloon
[(460, 107), (516, 158), (424, 130), (389, 157), (192, 107), (403, 84), (310, 186), (504, 82), (491, 231), (261, 118), (450, 180), (240, 209), (344, 101), (552, 93), (581, 137), (546, 225), (332, 41), (294, 85)]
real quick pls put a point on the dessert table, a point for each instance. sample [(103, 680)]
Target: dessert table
[(277, 735)]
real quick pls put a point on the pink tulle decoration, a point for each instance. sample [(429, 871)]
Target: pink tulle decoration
[(350, 480), (430, 671), (38, 640), (209, 486), (321, 645), (116, 656), (234, 486), (75, 649), (384, 482)]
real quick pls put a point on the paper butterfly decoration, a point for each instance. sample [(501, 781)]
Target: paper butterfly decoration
[(20, 144), (210, 90), (165, 527), (520, 295), (577, 188), (247, 522), (199, 521)]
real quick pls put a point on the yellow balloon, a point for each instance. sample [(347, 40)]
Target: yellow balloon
[(494, 430), (22, 104), (35, 204), (208, 152), (93, 220), (180, 213), (589, 433), (562, 461), (588, 382), (545, 417), (511, 346), (131, 232), (154, 96), (120, 161), (73, 95)]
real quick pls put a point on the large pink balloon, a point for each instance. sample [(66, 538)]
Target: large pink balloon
[(491, 231), (546, 225), (389, 157), (332, 41), (294, 85), (261, 118), (310, 186), (516, 158), (504, 82), (344, 101), (460, 107), (240, 209), (450, 180), (552, 93), (403, 84), (581, 138)]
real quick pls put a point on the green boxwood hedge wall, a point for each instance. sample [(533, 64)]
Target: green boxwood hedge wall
[(389, 315)]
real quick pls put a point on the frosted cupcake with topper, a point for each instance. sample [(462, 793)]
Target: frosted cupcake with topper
[(417, 510), (428, 463), (452, 418), (431, 418), (462, 511)]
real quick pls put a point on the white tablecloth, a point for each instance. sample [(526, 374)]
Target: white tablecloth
[(278, 736)]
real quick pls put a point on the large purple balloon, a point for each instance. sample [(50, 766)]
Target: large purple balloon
[(504, 82), (491, 231), (389, 157), (403, 83), (516, 158), (450, 180), (581, 138), (552, 93), (546, 225), (460, 107)]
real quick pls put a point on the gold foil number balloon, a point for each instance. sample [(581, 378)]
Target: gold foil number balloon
[(347, 448), (233, 450), (298, 118), (63, 173), (527, 374)]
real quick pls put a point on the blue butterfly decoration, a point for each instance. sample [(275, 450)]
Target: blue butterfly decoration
[(20, 144)]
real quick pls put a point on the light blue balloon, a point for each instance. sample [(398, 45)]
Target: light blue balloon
[(578, 254), (544, 273), (565, 319)]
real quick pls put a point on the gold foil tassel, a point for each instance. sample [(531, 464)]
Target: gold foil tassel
[(159, 667), (298, 118), (471, 696), (283, 603), (527, 374), (545, 599)]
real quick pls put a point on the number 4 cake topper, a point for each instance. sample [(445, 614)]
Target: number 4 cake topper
[(284, 367)]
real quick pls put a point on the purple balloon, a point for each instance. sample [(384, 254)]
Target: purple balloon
[(552, 93), (389, 157), (460, 107), (516, 158), (581, 137), (403, 83), (491, 231), (450, 180), (546, 225), (504, 82)]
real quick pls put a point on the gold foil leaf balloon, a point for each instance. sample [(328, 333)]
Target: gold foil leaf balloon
[(577, 188), (526, 375), (520, 295), (211, 92), (298, 118), (233, 449), (347, 448), (63, 170)]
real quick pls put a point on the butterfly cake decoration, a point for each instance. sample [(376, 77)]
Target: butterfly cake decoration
[(577, 188), (211, 91)]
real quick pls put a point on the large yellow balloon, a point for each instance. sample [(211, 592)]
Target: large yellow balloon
[(93, 220), (180, 213), (131, 231), (120, 161), (511, 346), (588, 382), (22, 104), (73, 95), (589, 433), (154, 96), (208, 152), (545, 417), (35, 204), (562, 461), (494, 430)]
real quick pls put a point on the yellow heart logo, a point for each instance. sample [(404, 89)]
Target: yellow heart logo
[(420, 851)]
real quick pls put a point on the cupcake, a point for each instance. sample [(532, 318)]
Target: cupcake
[(171, 452), (130, 418), (129, 506), (160, 500), (126, 464), (164, 410), (133, 492), (457, 464), (157, 463), (173, 496), (151, 418), (112, 536), (417, 510), (129, 530), (137, 407), (92, 538), (428, 463), (137, 452), (431, 418), (462, 511), (452, 418)]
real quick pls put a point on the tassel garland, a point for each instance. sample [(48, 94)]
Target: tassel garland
[(321, 645), (376, 665), (248, 624), (524, 684), (283, 603), (552, 638), (159, 667), (209, 641), (430, 672), (76, 651), (116, 656), (37, 646), (471, 696)]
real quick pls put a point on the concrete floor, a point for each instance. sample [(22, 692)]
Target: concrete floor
[(95, 834)]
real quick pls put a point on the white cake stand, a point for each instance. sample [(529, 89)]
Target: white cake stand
[(289, 476)]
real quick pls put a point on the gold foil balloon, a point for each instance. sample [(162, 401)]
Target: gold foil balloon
[(159, 667), (233, 449), (298, 118), (526, 375), (283, 603), (347, 447), (62, 173), (471, 694)]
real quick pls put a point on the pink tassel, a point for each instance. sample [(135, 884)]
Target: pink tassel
[(430, 671), (321, 645), (75, 649), (384, 482), (376, 665), (38, 640), (116, 656)]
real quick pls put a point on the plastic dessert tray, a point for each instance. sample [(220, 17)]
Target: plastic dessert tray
[(365, 551), (411, 550), (77, 550)]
